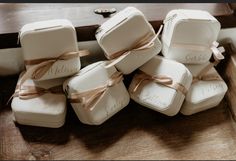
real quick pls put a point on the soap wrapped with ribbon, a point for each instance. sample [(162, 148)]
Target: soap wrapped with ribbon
[(96, 93), (208, 88), (39, 103), (161, 85), (128, 40), (189, 35), (50, 49)]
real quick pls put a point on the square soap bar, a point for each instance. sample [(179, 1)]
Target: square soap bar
[(112, 99), (121, 32), (46, 110), (188, 35), (203, 94), (155, 95), (50, 39)]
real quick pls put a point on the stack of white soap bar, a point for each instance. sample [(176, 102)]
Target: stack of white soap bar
[(203, 94), (50, 39), (157, 96), (94, 76), (122, 32), (46, 110), (188, 36)]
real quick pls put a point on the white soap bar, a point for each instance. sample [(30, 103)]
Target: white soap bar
[(123, 30), (94, 76), (156, 96), (203, 95), (188, 35), (50, 39), (11, 61), (47, 110)]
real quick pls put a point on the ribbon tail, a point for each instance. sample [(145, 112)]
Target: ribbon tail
[(218, 56), (27, 75), (138, 80), (137, 85), (151, 43), (83, 53), (35, 72), (159, 31), (13, 95), (96, 100), (205, 70), (42, 69), (115, 61)]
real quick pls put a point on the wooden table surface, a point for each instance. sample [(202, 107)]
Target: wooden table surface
[(134, 133)]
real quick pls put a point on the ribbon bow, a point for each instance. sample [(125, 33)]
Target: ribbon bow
[(217, 55), (29, 92), (141, 76), (142, 44), (44, 64), (91, 97)]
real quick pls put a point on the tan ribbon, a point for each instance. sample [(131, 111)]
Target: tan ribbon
[(141, 76), (29, 92), (142, 44), (217, 55), (208, 77), (44, 64), (91, 97)]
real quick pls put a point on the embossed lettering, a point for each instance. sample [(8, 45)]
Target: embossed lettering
[(195, 58), (65, 68), (211, 88), (119, 103), (153, 99)]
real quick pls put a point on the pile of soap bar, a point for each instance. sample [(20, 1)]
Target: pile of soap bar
[(189, 37), (182, 80)]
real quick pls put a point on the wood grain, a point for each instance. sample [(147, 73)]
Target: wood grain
[(135, 132), (14, 16), (229, 75)]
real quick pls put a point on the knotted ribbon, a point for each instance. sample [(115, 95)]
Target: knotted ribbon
[(145, 42), (217, 55), (164, 80), (90, 98), (29, 92), (44, 64)]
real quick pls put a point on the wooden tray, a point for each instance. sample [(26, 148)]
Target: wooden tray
[(135, 132)]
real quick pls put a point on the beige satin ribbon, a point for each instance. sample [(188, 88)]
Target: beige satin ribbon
[(208, 77), (91, 97), (142, 44), (141, 76), (217, 55), (44, 64), (29, 92)]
